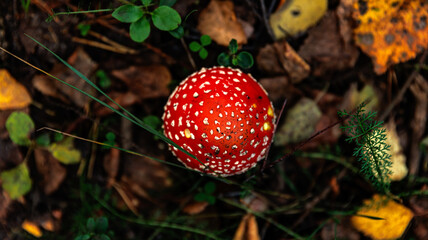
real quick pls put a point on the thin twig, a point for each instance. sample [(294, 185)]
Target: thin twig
[(403, 90), (189, 55), (265, 20)]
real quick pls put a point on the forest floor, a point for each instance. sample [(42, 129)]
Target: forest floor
[(58, 182)]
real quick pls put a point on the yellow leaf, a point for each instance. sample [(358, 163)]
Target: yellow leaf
[(12, 94), (32, 228), (391, 31), (295, 16), (398, 159), (395, 218), (65, 152)]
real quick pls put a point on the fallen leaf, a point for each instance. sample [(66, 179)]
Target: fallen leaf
[(247, 229), (391, 31), (32, 228), (5, 202), (123, 99), (280, 58), (146, 81), (84, 64), (111, 165), (16, 181), (20, 125), (195, 207), (299, 123), (53, 174), (326, 49), (65, 152), (218, 20), (395, 218), (294, 17), (398, 159), (13, 95), (278, 88)]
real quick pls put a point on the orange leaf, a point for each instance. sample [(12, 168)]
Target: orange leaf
[(32, 228), (247, 229), (12, 93), (391, 31)]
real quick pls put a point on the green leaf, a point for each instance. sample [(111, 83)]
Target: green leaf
[(90, 225), (205, 40), (103, 237), (19, 125), (43, 140), (166, 18), (58, 137), (146, 2), (233, 46), (83, 237), (203, 53), (234, 61), (153, 121), (223, 59), (200, 197), (16, 181), (64, 151), (178, 32), (194, 46), (84, 29), (128, 13), (209, 187), (110, 136), (101, 225), (245, 60), (168, 3), (140, 30), (104, 81), (210, 199)]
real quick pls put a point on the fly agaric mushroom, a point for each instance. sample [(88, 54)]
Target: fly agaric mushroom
[(223, 117)]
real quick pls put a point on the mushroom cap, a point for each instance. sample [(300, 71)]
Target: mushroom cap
[(223, 117)]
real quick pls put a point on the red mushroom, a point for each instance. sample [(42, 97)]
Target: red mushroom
[(223, 117)]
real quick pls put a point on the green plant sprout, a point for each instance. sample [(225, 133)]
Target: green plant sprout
[(163, 17), (110, 140), (83, 28), (195, 46), (96, 229), (233, 58), (371, 148), (103, 80), (207, 194)]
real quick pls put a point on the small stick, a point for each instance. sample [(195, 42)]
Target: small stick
[(189, 55), (403, 90)]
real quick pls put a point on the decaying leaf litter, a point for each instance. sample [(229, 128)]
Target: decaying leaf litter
[(321, 56)]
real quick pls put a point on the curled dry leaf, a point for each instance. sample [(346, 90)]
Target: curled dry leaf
[(280, 58), (13, 95), (84, 64), (248, 229), (391, 31), (395, 218), (326, 49), (195, 207), (146, 81), (218, 20), (123, 99), (278, 87), (53, 174)]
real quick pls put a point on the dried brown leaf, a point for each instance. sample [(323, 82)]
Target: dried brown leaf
[(218, 20), (53, 173)]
